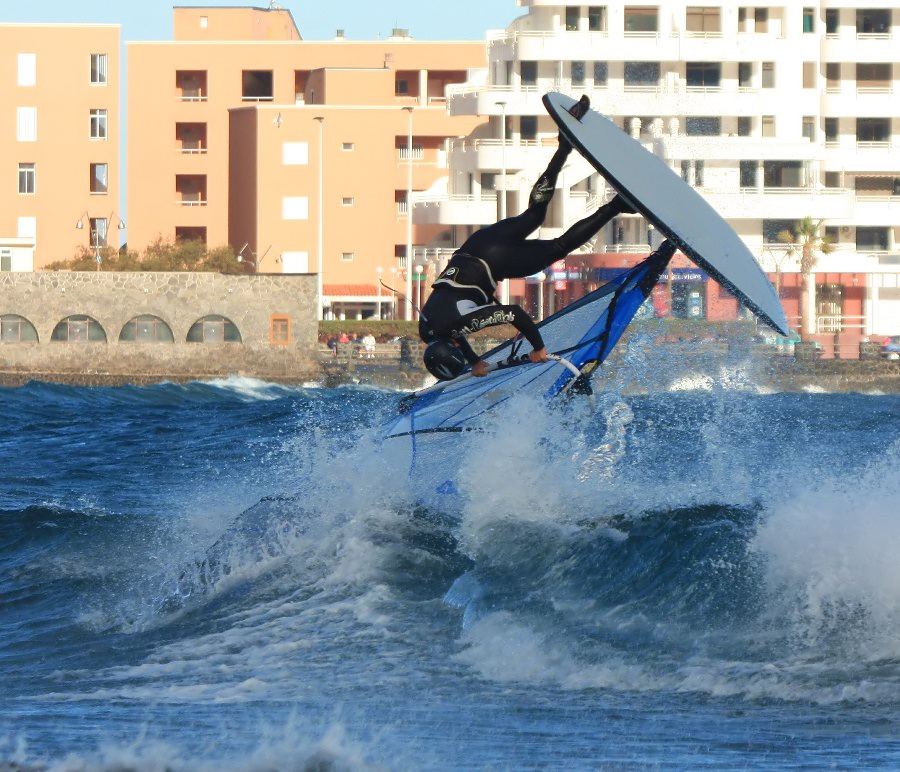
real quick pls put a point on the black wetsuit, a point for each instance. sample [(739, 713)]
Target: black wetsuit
[(462, 300)]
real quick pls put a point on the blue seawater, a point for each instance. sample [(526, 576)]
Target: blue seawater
[(240, 576)]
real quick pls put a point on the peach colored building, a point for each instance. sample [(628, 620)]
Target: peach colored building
[(59, 142), (294, 152)]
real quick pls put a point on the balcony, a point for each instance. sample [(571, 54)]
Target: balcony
[(190, 138), (781, 203), (453, 209), (190, 85), (190, 189)]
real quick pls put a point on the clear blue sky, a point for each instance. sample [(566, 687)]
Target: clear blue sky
[(317, 19)]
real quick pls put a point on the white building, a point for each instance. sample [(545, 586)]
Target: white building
[(774, 112)]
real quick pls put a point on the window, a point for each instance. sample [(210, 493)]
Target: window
[(703, 74), (528, 72), (641, 74), (809, 128), (26, 179), (191, 189), (832, 21), (873, 21), (204, 22), (768, 74), (27, 69), (98, 231), (768, 125), (99, 178), (601, 73), (832, 76), (809, 19), (257, 85), (98, 124), (78, 329), (641, 20), (772, 230), (528, 127), (14, 328), (872, 239), (295, 208), (703, 20), (146, 328), (214, 329), (347, 201), (191, 137), (597, 18), (873, 130), (745, 126), (748, 173), (190, 85), (809, 74), (577, 73), (573, 13), (832, 180), (401, 87), (26, 124), (783, 174), (745, 74), (347, 257), (703, 126), (98, 69), (295, 153), (190, 233), (5, 267), (279, 329), (347, 146), (873, 77)]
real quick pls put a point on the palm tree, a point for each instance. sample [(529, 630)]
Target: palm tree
[(806, 241)]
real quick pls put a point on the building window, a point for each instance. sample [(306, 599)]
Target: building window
[(577, 73), (641, 20), (809, 128), (26, 124), (279, 329), (748, 173), (295, 208), (528, 72), (27, 69), (744, 126), (573, 13), (191, 189), (295, 153), (401, 87), (745, 74), (257, 85), (872, 239), (190, 85), (768, 125), (26, 179), (832, 180), (347, 257), (14, 328), (873, 21), (703, 74), (98, 124), (597, 18), (214, 329), (348, 146), (768, 74), (809, 74), (873, 130), (347, 201), (601, 74), (191, 137), (190, 233), (832, 21), (99, 178), (78, 329), (204, 22), (98, 69), (528, 127), (809, 19), (641, 74), (784, 174), (146, 328), (699, 20), (703, 126), (5, 262)]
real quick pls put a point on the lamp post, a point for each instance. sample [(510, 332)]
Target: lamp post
[(501, 194), (409, 210), (321, 284), (419, 270), (378, 272), (541, 277), (95, 226)]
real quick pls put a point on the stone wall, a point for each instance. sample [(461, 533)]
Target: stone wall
[(178, 299)]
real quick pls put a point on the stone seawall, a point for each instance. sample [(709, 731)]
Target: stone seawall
[(106, 328)]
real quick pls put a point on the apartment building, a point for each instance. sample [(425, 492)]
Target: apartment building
[(301, 155), (59, 142), (774, 112)]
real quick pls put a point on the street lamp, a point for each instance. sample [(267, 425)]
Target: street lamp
[(409, 208), (501, 194), (378, 272), (419, 270), (96, 225), (320, 286)]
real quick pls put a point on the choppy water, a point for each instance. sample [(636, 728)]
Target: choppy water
[(237, 576)]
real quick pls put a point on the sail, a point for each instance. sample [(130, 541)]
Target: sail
[(584, 332)]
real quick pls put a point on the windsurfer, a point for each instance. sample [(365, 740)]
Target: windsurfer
[(463, 299)]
